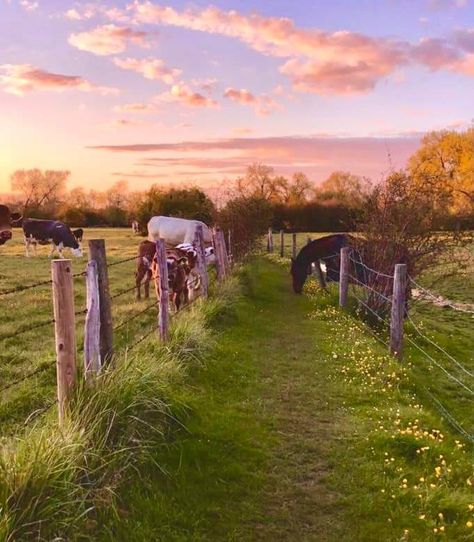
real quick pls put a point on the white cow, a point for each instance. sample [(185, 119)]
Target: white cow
[(176, 231)]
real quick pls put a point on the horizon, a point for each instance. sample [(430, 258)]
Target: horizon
[(190, 93)]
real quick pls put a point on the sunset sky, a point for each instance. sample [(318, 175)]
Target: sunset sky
[(180, 92)]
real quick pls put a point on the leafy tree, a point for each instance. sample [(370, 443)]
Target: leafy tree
[(444, 163), (190, 203), (344, 188)]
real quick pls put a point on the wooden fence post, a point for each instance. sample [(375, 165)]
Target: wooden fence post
[(398, 310), (270, 240), (344, 276), (97, 253), (282, 243), (220, 266), (318, 272), (162, 290), (92, 360), (65, 332), (201, 260), (293, 245), (230, 252), (225, 256)]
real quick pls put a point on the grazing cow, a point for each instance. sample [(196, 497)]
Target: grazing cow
[(135, 226), (50, 231), (78, 234), (7, 219), (176, 230)]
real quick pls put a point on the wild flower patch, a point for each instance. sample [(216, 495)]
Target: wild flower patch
[(418, 473)]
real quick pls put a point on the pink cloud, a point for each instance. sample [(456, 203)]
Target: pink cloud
[(183, 94), (29, 5), (150, 68), (464, 37), (317, 61), (107, 39), (263, 104), (20, 79), (316, 156)]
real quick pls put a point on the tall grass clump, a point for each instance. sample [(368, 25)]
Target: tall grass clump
[(55, 482)]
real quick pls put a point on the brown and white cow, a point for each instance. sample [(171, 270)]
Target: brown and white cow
[(180, 266), (7, 220)]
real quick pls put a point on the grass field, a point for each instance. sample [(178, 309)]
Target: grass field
[(24, 353)]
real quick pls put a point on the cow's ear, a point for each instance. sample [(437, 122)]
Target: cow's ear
[(15, 217)]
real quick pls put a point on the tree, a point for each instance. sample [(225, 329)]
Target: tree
[(445, 163), (39, 188), (258, 183), (344, 188), (190, 203)]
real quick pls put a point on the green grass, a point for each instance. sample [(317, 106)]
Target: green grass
[(269, 416), (24, 353)]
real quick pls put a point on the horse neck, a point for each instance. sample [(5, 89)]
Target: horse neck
[(305, 257)]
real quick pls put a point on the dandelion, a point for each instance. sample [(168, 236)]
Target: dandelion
[(469, 524)]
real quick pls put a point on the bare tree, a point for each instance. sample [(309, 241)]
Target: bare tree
[(39, 188)]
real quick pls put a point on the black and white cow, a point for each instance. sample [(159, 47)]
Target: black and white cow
[(50, 231), (7, 220), (78, 234)]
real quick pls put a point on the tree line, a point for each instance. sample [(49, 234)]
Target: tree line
[(441, 171)]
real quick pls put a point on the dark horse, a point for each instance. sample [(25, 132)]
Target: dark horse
[(329, 248)]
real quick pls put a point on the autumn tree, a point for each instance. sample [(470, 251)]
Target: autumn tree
[(344, 188), (444, 164)]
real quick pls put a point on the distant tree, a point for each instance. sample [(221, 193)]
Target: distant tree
[(342, 187), (445, 164), (258, 182), (190, 203), (39, 189)]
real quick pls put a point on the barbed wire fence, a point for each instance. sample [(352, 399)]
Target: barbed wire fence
[(133, 338)]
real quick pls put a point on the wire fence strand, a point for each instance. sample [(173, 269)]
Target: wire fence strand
[(38, 370)]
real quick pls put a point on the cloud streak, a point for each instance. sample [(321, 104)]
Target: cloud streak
[(21, 79)]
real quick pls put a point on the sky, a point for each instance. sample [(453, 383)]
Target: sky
[(181, 93)]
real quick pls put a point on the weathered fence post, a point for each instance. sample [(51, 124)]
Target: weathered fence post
[(225, 256), (282, 243), (270, 240), (161, 281), (92, 360), (201, 260), (344, 276), (293, 245), (220, 266), (230, 251), (398, 310), (97, 253), (65, 332)]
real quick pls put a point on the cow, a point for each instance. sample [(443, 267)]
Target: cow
[(183, 280), (78, 234), (50, 231), (176, 230), (7, 220)]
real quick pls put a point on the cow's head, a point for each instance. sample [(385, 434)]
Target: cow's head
[(7, 219), (209, 255)]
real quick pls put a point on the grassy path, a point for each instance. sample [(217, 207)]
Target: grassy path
[(253, 463), (287, 441)]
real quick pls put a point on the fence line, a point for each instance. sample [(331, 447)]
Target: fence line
[(67, 350)]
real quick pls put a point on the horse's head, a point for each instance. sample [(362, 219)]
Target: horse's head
[(299, 272)]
